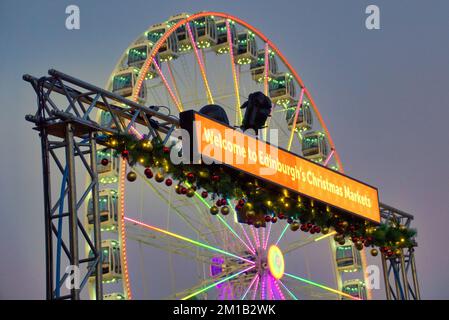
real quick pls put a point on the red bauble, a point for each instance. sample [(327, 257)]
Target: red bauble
[(183, 190), (168, 182), (125, 153), (148, 173), (241, 202), (215, 178), (281, 216), (104, 162), (204, 194), (317, 229), (274, 219), (289, 220), (190, 176), (267, 218), (303, 227), (166, 149), (218, 203), (224, 202)]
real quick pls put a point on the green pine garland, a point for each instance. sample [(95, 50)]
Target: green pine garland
[(257, 196)]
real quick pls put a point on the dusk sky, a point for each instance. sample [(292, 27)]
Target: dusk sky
[(384, 95)]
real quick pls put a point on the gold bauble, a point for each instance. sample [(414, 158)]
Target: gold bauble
[(213, 210), (294, 226), (374, 252), (250, 214), (159, 177)]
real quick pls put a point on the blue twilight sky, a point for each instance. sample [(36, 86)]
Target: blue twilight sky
[(384, 95)]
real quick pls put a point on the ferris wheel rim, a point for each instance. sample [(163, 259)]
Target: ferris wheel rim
[(144, 69)]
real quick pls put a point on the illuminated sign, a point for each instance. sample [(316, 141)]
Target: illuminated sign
[(214, 141)]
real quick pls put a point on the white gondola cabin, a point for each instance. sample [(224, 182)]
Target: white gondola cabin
[(138, 54), (182, 36), (108, 209), (222, 45), (124, 82), (355, 288), (111, 264), (205, 32), (304, 120), (348, 258), (282, 89), (258, 66), (314, 146), (106, 120), (169, 49), (246, 47)]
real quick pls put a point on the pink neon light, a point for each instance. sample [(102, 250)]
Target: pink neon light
[(252, 249), (255, 289), (255, 236), (167, 86), (329, 157), (278, 289), (268, 236)]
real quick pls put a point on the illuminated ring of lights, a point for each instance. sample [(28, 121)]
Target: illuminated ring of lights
[(143, 71), (276, 262)]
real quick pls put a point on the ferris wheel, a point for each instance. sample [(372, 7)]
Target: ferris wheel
[(162, 242)]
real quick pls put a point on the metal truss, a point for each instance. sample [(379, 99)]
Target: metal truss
[(69, 126), (400, 275)]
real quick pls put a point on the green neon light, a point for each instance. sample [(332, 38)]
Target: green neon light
[(216, 283), (197, 243), (288, 290), (282, 234), (321, 286)]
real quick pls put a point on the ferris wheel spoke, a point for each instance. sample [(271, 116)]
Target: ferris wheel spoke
[(250, 286), (295, 119), (200, 244), (311, 239), (200, 64), (235, 79), (223, 221), (180, 214), (217, 283), (267, 237), (288, 290), (282, 234), (174, 82), (167, 86), (321, 286), (329, 157)]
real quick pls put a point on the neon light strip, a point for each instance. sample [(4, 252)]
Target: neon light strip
[(268, 237), (253, 251), (322, 286), (167, 86), (255, 289), (234, 213), (255, 236), (263, 287), (276, 286), (265, 83), (124, 261), (262, 239), (250, 286), (325, 236), (282, 234), (222, 220), (329, 157), (265, 77), (295, 120), (197, 243), (200, 63), (234, 72), (173, 80), (216, 283), (288, 290)]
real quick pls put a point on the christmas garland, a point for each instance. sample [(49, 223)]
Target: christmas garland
[(257, 202)]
